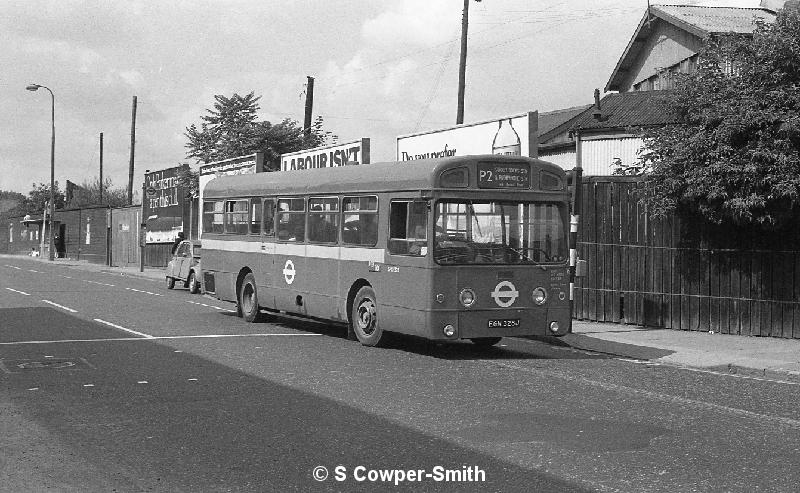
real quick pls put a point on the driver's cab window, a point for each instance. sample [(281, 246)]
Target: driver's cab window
[(408, 228), (183, 250)]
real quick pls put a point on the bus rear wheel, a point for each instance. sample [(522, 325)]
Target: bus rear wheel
[(485, 341), (364, 318), (248, 298)]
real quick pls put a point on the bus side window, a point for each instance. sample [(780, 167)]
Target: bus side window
[(255, 216), (213, 214), (323, 219), (408, 225), (291, 219), (269, 217), (360, 225)]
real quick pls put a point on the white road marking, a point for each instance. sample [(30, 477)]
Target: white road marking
[(88, 385), (151, 338), (20, 292), (36, 271), (100, 283), (146, 336), (60, 306), (209, 306), (145, 292), (13, 267)]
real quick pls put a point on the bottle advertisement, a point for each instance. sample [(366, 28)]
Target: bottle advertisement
[(510, 135)]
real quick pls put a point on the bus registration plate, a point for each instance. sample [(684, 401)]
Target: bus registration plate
[(504, 322)]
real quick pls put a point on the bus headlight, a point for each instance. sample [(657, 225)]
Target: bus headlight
[(554, 326), (467, 297), (449, 330), (539, 296)]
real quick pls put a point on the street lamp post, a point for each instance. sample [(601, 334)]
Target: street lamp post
[(35, 87)]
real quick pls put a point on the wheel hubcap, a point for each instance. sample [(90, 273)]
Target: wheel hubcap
[(247, 298), (366, 317)]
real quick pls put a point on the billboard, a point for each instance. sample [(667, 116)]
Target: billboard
[(356, 152), (516, 135), (162, 205)]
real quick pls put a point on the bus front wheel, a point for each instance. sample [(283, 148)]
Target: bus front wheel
[(364, 319), (248, 298)]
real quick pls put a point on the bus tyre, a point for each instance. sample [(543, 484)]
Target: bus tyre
[(194, 284), (248, 298), (485, 341), (364, 319), (170, 282)]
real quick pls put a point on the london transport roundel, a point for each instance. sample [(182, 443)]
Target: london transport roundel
[(289, 272), (505, 294)]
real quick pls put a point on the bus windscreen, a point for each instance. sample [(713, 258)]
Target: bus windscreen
[(493, 232)]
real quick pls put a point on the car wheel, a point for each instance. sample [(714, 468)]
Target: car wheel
[(248, 298), (170, 282), (194, 284), (364, 318)]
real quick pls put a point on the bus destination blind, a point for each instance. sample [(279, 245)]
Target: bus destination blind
[(504, 175)]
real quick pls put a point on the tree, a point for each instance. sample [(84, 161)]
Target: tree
[(38, 197), (231, 129), (10, 201), (735, 156), (88, 194)]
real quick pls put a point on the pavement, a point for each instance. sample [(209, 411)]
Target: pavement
[(766, 357)]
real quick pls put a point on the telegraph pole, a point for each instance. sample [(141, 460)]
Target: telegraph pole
[(101, 167), (462, 66), (309, 106), (133, 146)]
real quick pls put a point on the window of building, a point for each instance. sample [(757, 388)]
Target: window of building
[(291, 219), (323, 219), (360, 221)]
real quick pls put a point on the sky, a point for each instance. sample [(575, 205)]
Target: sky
[(382, 68)]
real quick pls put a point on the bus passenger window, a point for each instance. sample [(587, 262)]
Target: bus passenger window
[(269, 218), (291, 220), (360, 221), (408, 226), (323, 220), (213, 216), (236, 212), (255, 216)]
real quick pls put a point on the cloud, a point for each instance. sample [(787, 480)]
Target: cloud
[(403, 24)]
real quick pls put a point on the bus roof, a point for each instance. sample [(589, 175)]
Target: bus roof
[(418, 174)]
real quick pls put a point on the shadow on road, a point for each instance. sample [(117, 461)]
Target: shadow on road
[(142, 416)]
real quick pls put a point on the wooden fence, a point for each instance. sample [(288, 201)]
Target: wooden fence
[(682, 273)]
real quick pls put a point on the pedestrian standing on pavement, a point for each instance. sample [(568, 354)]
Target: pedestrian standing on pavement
[(177, 242)]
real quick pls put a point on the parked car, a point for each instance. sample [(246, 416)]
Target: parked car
[(185, 267)]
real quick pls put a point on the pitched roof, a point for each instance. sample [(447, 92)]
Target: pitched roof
[(551, 122), (699, 21), (627, 109), (703, 21)]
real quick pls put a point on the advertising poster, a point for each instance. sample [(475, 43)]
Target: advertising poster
[(514, 135), (346, 154), (163, 205)]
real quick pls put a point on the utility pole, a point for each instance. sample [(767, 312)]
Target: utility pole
[(133, 146), (462, 66), (101, 167), (309, 106)]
